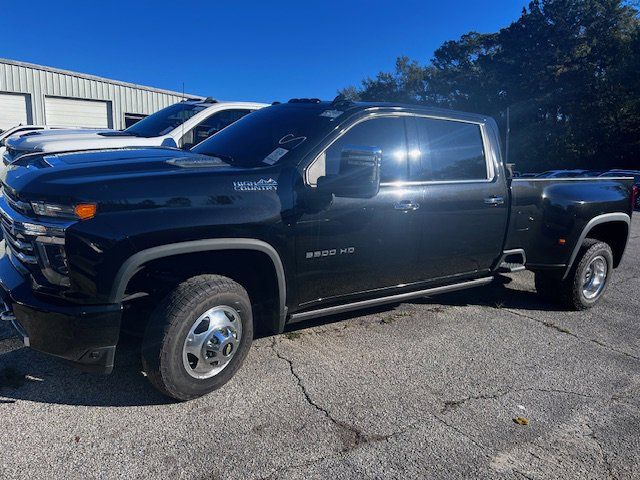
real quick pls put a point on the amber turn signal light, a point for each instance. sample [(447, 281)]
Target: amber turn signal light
[(85, 211)]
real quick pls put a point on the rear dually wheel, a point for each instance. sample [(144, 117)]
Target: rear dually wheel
[(586, 281)]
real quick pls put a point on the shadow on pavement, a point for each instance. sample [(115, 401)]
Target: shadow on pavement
[(29, 375), (497, 294)]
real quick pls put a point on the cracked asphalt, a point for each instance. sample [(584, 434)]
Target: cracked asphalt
[(427, 389)]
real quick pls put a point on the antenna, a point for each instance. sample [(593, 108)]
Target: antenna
[(508, 135), (182, 115)]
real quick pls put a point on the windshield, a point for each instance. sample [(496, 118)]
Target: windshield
[(165, 120), (265, 136)]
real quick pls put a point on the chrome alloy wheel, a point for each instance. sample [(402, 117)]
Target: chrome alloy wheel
[(212, 341), (595, 277)]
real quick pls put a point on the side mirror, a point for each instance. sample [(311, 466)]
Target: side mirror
[(359, 175), (169, 142)]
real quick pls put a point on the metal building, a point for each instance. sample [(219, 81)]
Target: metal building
[(35, 94)]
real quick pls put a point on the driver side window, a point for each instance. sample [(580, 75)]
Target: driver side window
[(385, 133), (210, 126)]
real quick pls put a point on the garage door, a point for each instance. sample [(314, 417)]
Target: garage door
[(72, 112), (14, 110)]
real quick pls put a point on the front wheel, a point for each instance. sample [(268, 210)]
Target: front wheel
[(585, 283), (198, 337)]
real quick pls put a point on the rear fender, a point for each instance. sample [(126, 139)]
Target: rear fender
[(599, 220)]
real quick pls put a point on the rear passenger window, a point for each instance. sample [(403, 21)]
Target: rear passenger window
[(449, 150), (386, 133)]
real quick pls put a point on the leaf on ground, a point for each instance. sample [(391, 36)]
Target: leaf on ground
[(521, 421)]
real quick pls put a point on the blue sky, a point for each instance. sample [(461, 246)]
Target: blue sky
[(240, 50)]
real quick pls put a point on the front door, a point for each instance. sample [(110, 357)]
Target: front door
[(349, 246)]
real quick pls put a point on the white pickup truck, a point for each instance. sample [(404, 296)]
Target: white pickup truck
[(182, 125), (21, 130)]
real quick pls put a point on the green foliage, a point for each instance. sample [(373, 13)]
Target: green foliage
[(568, 70)]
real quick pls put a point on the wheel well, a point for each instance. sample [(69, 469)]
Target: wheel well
[(614, 234), (254, 270)]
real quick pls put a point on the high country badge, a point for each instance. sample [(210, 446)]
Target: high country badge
[(253, 186)]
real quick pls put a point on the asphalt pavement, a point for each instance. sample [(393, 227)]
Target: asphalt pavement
[(427, 389)]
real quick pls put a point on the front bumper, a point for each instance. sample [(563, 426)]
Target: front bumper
[(84, 335)]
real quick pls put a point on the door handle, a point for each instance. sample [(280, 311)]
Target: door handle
[(495, 201), (406, 206)]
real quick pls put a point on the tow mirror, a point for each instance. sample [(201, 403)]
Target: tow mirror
[(169, 142), (359, 175)]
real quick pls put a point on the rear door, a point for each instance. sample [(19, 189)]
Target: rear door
[(464, 213)]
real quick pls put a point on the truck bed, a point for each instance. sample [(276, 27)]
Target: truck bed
[(549, 215)]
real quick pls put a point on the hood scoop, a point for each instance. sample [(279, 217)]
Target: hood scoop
[(199, 161)]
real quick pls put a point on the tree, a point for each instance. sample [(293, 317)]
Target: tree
[(406, 84), (566, 69)]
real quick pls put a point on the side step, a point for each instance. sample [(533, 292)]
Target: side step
[(299, 317), (512, 261)]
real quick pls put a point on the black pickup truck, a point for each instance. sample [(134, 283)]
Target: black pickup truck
[(296, 211)]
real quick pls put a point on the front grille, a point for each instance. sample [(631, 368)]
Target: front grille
[(18, 243)]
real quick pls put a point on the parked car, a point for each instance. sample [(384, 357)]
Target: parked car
[(22, 129), (564, 174), (626, 173), (294, 212), (182, 125)]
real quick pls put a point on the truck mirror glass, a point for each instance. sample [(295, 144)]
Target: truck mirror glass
[(359, 175)]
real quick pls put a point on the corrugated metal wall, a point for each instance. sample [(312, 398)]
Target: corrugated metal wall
[(40, 82)]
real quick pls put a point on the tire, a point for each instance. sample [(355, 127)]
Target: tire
[(573, 292), (215, 313)]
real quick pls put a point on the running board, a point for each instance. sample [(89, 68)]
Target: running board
[(512, 261), (511, 267), (299, 317)]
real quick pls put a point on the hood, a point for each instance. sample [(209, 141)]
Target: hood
[(38, 136), (104, 174), (66, 140)]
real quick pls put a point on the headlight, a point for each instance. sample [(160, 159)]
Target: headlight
[(37, 243), (81, 211)]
